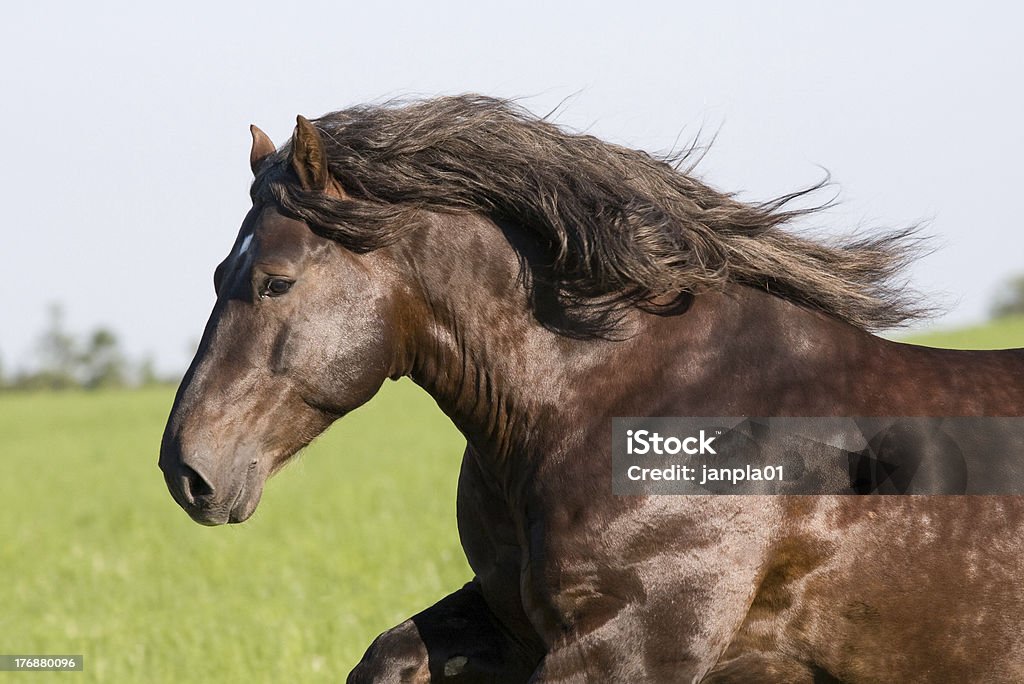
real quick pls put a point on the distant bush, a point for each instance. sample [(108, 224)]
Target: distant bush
[(66, 361), (1010, 301)]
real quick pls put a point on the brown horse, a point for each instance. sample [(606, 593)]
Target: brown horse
[(538, 283)]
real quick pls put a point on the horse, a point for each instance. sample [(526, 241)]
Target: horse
[(538, 282)]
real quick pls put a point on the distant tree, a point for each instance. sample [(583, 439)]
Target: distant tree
[(102, 364), (58, 355), (146, 374), (1010, 302), (65, 361)]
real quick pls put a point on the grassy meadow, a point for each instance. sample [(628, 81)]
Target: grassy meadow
[(356, 535), (96, 559), (1002, 333)]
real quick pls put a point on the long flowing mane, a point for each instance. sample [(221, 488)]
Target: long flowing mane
[(619, 227)]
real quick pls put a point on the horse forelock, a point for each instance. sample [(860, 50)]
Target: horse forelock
[(621, 227)]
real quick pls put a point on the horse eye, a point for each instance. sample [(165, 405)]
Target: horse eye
[(276, 286)]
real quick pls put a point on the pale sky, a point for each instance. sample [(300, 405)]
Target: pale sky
[(126, 126)]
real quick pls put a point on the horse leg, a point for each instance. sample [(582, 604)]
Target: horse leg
[(457, 639), (630, 650)]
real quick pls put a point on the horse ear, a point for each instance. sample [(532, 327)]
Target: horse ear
[(262, 147), (308, 158)]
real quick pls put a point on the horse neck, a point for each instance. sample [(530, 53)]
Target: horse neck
[(474, 343), (471, 339)]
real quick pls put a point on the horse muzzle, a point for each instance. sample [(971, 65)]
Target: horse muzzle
[(209, 495)]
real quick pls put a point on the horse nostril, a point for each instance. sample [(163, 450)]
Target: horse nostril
[(194, 486)]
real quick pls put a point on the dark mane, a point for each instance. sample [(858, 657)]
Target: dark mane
[(619, 226)]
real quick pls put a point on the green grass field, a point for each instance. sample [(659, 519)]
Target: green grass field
[(352, 538), (999, 334)]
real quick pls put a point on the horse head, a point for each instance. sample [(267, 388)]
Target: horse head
[(300, 334)]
